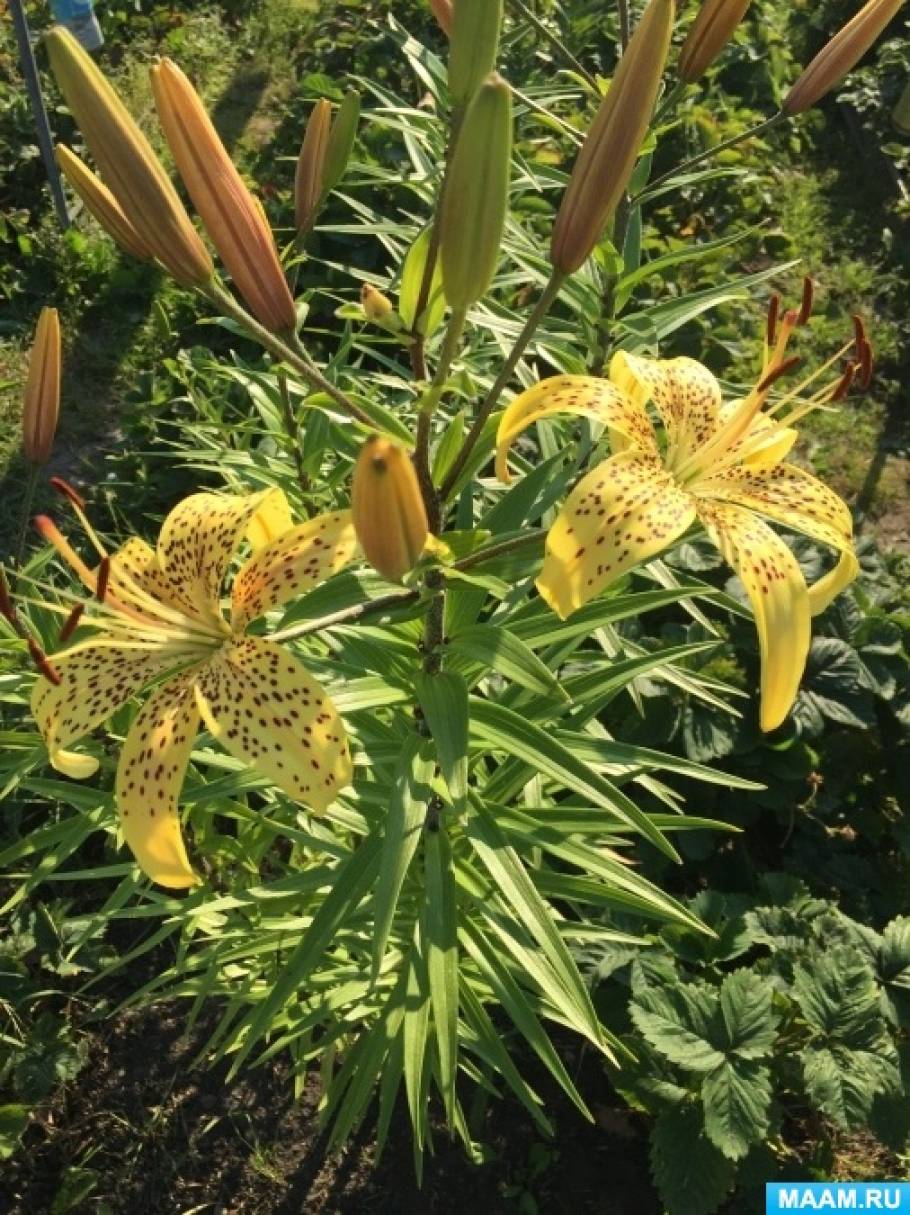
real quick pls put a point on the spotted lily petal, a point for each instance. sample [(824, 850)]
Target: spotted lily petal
[(198, 539), (583, 396), (272, 519), (135, 573), (780, 601), (95, 680), (291, 565), (788, 495), (264, 707), (829, 586), (685, 394), (622, 513), (149, 776), (765, 444)]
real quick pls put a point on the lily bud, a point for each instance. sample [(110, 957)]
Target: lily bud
[(711, 30), (444, 14), (474, 46), (389, 515), (130, 168), (341, 141), (41, 407), (476, 198), (100, 203), (839, 56), (232, 217), (309, 180), (608, 155), (376, 306)]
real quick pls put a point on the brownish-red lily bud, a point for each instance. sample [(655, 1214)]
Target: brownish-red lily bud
[(309, 180), (444, 14), (840, 55), (607, 158), (711, 30), (101, 204), (389, 515), (41, 407), (232, 217), (130, 168)]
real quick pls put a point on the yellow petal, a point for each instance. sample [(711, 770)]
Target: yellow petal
[(580, 395), (685, 394), (622, 513), (765, 444), (198, 540), (94, 683), (272, 519), (830, 585), (149, 777), (135, 573), (788, 495), (265, 708), (291, 565), (780, 601)]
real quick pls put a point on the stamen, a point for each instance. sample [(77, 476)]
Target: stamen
[(775, 373), (42, 662), (859, 330), (846, 381), (6, 603), (102, 579), (773, 314), (49, 532), (71, 624), (805, 310), (866, 364), (66, 490)]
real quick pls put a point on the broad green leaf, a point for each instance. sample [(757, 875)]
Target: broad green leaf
[(672, 1021), (691, 1175), (505, 730), (13, 1121), (842, 1083), (837, 994), (443, 698), (410, 796), (737, 1101), (745, 1006), (496, 647), (409, 292), (442, 957)]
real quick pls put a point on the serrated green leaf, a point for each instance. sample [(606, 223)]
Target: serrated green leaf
[(842, 1084), (737, 1101), (691, 1175), (675, 1021), (745, 1006)]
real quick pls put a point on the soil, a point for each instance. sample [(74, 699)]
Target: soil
[(157, 1135)]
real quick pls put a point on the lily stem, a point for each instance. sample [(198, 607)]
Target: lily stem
[(402, 598), (290, 425), (557, 44), (27, 502), (608, 295), (541, 308), (625, 25), (281, 349), (428, 407), (709, 153)]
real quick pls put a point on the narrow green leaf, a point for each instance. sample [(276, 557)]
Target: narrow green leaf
[(442, 958), (444, 700), (498, 648), (416, 1024)]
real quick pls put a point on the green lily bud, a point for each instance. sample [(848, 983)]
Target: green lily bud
[(474, 45), (341, 141), (476, 197)]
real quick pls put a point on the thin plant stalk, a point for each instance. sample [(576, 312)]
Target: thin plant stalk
[(428, 407), (709, 153), (293, 433), (28, 502), (557, 44), (625, 24), (608, 296)]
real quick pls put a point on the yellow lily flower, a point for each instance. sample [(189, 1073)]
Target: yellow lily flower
[(720, 463), (157, 613)]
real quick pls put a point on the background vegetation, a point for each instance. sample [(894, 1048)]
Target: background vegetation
[(810, 901)]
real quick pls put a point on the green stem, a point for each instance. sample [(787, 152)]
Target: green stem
[(541, 308), (557, 44), (277, 346), (293, 430), (27, 503), (751, 133), (428, 407), (625, 25), (669, 102), (602, 344), (400, 598)]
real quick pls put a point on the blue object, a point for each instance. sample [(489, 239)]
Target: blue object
[(79, 18), (781, 1197)]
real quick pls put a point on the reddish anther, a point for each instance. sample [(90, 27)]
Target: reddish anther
[(866, 364), (846, 381), (66, 490), (6, 602), (859, 331), (781, 369), (43, 663), (805, 310), (71, 623), (773, 314), (104, 573)]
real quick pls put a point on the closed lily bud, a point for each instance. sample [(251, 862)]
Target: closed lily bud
[(711, 30), (476, 198), (443, 12), (377, 307), (130, 168), (474, 46), (341, 141), (309, 180), (840, 55), (607, 158), (232, 216), (100, 203), (389, 515), (41, 407)]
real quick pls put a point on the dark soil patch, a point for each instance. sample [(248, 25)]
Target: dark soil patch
[(151, 1134)]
